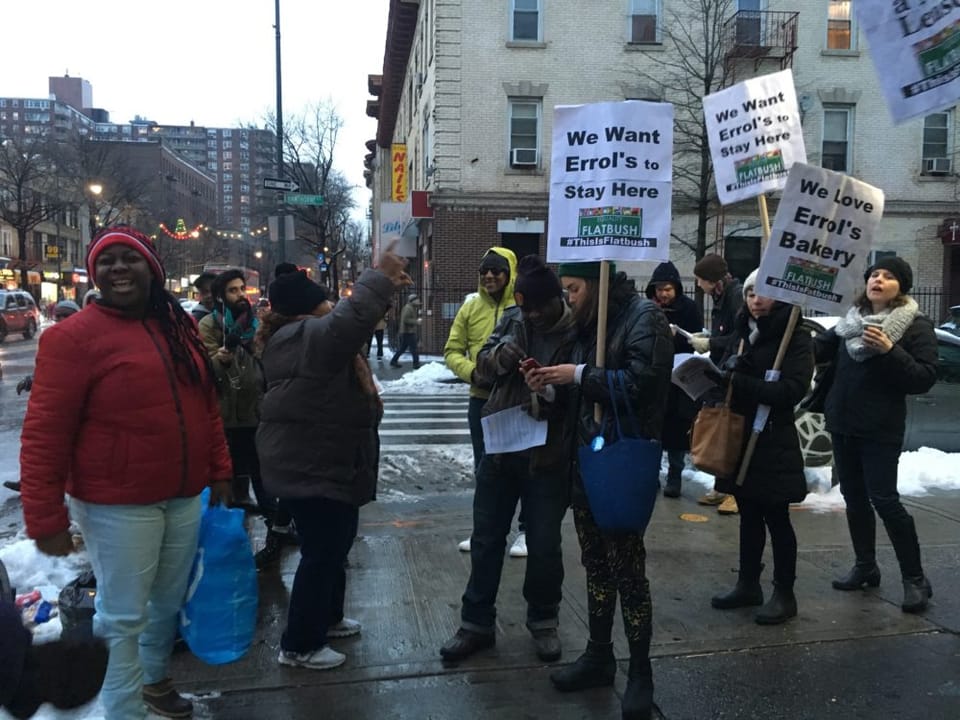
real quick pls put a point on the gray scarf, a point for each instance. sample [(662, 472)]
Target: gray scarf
[(895, 323)]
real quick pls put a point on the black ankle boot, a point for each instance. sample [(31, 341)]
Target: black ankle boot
[(595, 668), (781, 606), (637, 703), (858, 576), (746, 593), (916, 592)]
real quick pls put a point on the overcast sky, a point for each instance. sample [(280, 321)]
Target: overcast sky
[(210, 61)]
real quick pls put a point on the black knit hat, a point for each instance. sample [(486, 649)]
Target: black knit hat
[(295, 294), (898, 267), (284, 268), (711, 268), (536, 284)]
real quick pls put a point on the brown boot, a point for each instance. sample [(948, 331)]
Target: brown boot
[(161, 698), (728, 506)]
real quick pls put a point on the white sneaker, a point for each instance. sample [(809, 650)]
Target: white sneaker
[(464, 546), (323, 659), (519, 547), (344, 628)]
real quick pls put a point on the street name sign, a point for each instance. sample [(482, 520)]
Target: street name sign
[(278, 184), (302, 199)]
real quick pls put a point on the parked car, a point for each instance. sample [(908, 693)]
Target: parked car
[(931, 417), (18, 314), (953, 324)]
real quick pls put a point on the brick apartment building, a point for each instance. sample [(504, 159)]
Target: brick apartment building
[(469, 89)]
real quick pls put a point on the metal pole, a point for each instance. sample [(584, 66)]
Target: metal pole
[(281, 237)]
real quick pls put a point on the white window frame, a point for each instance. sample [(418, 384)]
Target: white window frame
[(513, 20), (851, 19), (848, 109), (512, 105), (944, 168), (652, 8)]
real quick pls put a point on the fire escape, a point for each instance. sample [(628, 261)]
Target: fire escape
[(759, 38)]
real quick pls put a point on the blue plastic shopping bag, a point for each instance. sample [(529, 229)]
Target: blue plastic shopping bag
[(219, 616)]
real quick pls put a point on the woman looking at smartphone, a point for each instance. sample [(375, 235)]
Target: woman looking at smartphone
[(882, 350)]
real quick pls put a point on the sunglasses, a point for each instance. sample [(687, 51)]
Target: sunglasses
[(494, 270)]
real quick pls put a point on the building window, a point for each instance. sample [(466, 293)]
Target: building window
[(526, 20), (644, 21), (937, 157), (840, 34), (836, 150), (524, 133)]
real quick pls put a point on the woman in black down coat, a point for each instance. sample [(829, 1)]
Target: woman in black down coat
[(882, 351), (774, 477)]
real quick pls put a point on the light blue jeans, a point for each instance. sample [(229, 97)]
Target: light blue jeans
[(141, 556)]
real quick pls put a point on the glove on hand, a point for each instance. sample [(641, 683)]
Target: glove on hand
[(700, 344), (232, 341), (509, 355), (25, 385)]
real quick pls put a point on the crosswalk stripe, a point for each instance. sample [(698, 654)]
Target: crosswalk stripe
[(400, 447), (432, 432), (390, 411), (422, 421)]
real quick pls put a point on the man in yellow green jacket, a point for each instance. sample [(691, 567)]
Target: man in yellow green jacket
[(471, 327)]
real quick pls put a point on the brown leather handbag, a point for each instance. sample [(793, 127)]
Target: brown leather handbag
[(716, 438)]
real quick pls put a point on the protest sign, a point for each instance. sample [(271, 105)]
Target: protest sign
[(396, 225), (611, 182), (915, 47), (821, 236), (755, 135)]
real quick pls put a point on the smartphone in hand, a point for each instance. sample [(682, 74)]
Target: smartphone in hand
[(529, 363)]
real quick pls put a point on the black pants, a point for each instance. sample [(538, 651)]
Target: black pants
[(756, 517), (327, 529), (246, 472), (868, 477), (502, 480), (378, 334), (615, 563), (408, 341), (474, 412)]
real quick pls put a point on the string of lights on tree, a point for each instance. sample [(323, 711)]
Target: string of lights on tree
[(180, 231)]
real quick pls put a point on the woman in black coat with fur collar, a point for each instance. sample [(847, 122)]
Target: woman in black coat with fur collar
[(774, 477)]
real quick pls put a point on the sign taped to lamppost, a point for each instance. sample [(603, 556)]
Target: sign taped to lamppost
[(915, 46), (611, 181), (755, 135), (820, 239)]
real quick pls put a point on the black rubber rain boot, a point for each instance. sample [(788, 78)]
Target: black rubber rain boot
[(637, 703), (781, 606), (863, 533), (596, 667), (746, 593)]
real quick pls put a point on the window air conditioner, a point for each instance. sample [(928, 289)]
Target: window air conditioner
[(937, 166), (523, 157)]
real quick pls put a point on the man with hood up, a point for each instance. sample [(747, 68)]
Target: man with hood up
[(666, 291), (471, 327)]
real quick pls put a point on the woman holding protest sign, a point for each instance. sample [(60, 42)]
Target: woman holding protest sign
[(774, 476), (882, 350)]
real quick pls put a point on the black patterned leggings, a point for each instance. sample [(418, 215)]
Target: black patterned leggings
[(614, 562)]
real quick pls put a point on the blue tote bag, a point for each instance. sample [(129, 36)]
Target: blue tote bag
[(621, 478), (219, 616)]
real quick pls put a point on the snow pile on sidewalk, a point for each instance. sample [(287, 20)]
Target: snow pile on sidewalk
[(920, 472), (433, 378)]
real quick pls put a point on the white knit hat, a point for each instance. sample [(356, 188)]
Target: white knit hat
[(750, 282)]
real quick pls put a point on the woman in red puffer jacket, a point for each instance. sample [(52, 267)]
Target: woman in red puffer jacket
[(126, 386)]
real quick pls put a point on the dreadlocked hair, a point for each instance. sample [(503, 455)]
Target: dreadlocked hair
[(189, 355)]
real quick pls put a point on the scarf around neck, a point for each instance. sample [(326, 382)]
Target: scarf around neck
[(245, 324), (894, 322)]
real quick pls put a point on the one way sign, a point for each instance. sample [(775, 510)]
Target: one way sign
[(278, 184)]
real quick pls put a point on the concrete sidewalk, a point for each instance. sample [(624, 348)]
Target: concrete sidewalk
[(847, 655)]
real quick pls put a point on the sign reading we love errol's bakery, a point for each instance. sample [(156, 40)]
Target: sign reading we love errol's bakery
[(611, 182)]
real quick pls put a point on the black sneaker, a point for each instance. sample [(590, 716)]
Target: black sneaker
[(270, 553), (465, 643)]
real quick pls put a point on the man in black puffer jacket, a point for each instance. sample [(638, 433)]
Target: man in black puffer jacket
[(666, 291), (639, 343)]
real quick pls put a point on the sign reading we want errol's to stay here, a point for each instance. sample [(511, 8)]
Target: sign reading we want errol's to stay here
[(611, 182), (755, 135), (915, 45), (821, 236)]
